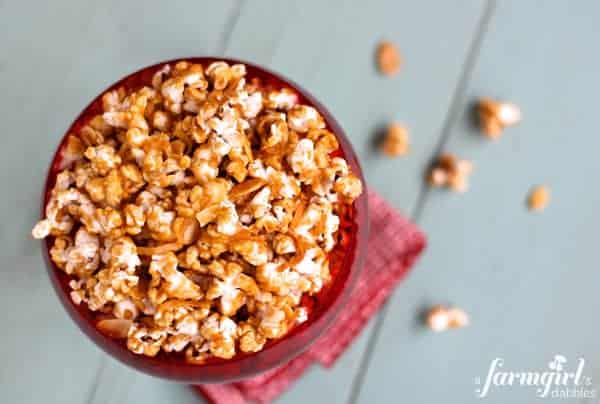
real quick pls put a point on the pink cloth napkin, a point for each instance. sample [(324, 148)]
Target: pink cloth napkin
[(394, 244)]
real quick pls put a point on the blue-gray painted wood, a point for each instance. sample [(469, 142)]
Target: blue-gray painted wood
[(527, 280)]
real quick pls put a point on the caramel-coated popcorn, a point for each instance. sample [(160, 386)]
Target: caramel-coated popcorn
[(388, 58), (494, 116), (441, 318), (451, 172), (194, 213), (396, 142)]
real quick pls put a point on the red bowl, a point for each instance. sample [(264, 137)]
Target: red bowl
[(346, 260)]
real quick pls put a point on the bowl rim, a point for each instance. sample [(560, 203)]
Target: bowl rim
[(283, 348)]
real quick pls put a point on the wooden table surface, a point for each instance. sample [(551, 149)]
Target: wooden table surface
[(529, 281)]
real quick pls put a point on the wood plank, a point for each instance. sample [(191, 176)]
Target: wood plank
[(328, 48), (528, 280), (119, 384), (56, 57)]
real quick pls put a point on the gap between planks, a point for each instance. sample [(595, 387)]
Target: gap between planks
[(228, 28)]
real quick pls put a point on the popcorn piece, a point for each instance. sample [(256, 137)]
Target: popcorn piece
[(197, 352), (318, 223), (272, 322), (95, 132), (145, 340), (441, 318), (325, 143), (313, 266), (259, 205), (125, 309), (135, 218), (302, 118), (169, 280), (273, 129), (84, 255), (251, 104), (63, 205), (103, 158), (59, 251), (193, 214), (41, 229), (227, 218), (186, 230), (283, 99), (104, 222), (224, 214), (276, 317), (283, 244), (231, 286), (123, 254), (388, 58), (348, 188), (205, 163), (176, 343), (302, 159), (182, 317), (160, 223), (251, 340), (278, 277), (73, 152), (302, 315), (254, 252), (219, 74), (159, 76), (396, 142), (451, 172), (494, 116), (538, 198), (220, 331)]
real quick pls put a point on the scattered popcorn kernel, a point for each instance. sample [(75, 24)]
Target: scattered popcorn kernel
[(193, 213), (494, 116), (441, 318), (388, 58), (450, 172), (538, 199), (396, 142)]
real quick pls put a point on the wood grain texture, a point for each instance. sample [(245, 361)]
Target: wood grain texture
[(528, 280)]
